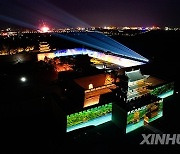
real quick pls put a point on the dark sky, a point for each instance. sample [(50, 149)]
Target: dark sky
[(73, 13)]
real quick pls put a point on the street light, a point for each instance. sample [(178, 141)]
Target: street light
[(23, 79)]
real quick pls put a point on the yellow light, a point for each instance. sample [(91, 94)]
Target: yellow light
[(90, 86)]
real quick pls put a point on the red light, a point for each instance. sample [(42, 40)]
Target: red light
[(4, 34)]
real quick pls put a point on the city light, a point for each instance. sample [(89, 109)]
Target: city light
[(45, 29)]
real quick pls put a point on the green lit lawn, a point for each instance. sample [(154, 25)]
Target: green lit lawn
[(93, 116), (94, 122)]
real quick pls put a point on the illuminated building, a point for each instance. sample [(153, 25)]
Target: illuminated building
[(126, 97), (118, 60), (131, 102), (133, 99), (144, 102), (150, 106), (94, 87), (44, 47), (105, 48), (88, 94)]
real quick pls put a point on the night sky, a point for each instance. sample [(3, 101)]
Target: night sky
[(74, 13)]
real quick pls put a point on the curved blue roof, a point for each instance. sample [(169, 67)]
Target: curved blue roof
[(102, 42)]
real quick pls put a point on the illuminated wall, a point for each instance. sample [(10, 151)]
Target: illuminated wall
[(99, 55), (137, 89), (164, 91), (62, 67), (92, 96), (69, 52), (91, 100), (94, 116), (115, 59), (144, 115), (41, 56)]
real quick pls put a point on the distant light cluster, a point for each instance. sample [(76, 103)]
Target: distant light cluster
[(108, 30), (45, 29)]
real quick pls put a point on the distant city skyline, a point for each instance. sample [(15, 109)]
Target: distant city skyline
[(89, 13)]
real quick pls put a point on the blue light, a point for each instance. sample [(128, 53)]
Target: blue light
[(124, 62), (101, 42), (131, 127), (167, 94), (16, 22)]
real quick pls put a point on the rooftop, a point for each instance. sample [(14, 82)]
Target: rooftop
[(134, 75), (95, 80), (154, 81)]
